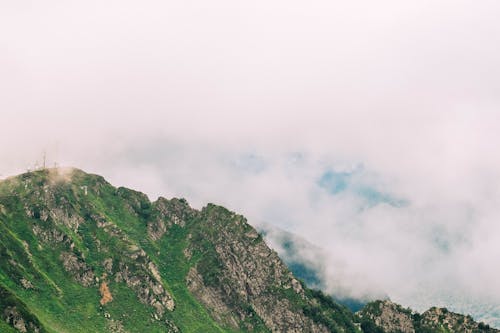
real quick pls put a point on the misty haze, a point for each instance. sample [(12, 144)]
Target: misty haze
[(354, 145)]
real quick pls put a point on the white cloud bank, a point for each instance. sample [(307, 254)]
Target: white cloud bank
[(248, 104)]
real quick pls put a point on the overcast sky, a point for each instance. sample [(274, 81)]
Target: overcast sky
[(369, 128)]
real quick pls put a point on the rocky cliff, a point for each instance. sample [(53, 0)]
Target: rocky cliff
[(388, 317)]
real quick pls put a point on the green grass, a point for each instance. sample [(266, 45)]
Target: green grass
[(135, 316), (5, 328), (174, 268), (58, 301)]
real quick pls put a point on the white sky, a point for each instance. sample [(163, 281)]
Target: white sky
[(248, 104)]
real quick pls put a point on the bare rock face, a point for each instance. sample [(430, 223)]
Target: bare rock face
[(149, 290), (64, 217), (241, 277), (50, 235), (440, 318), (78, 269), (115, 326), (12, 316), (26, 284), (156, 229), (167, 213), (391, 317), (211, 298)]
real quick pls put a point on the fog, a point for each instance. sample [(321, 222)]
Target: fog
[(369, 129)]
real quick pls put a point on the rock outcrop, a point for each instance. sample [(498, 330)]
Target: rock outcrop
[(388, 317), (14, 313), (241, 280), (442, 319)]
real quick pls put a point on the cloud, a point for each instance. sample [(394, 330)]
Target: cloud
[(352, 182), (270, 108)]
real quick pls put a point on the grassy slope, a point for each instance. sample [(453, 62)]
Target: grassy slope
[(168, 256), (5, 328), (61, 304)]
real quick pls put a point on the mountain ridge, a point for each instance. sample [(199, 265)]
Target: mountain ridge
[(80, 255)]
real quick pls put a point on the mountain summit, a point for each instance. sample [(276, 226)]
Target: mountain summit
[(79, 255)]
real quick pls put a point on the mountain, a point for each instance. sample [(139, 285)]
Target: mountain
[(79, 255), (388, 317)]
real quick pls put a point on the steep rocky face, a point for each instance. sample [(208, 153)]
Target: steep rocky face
[(237, 277), (241, 280), (386, 316)]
